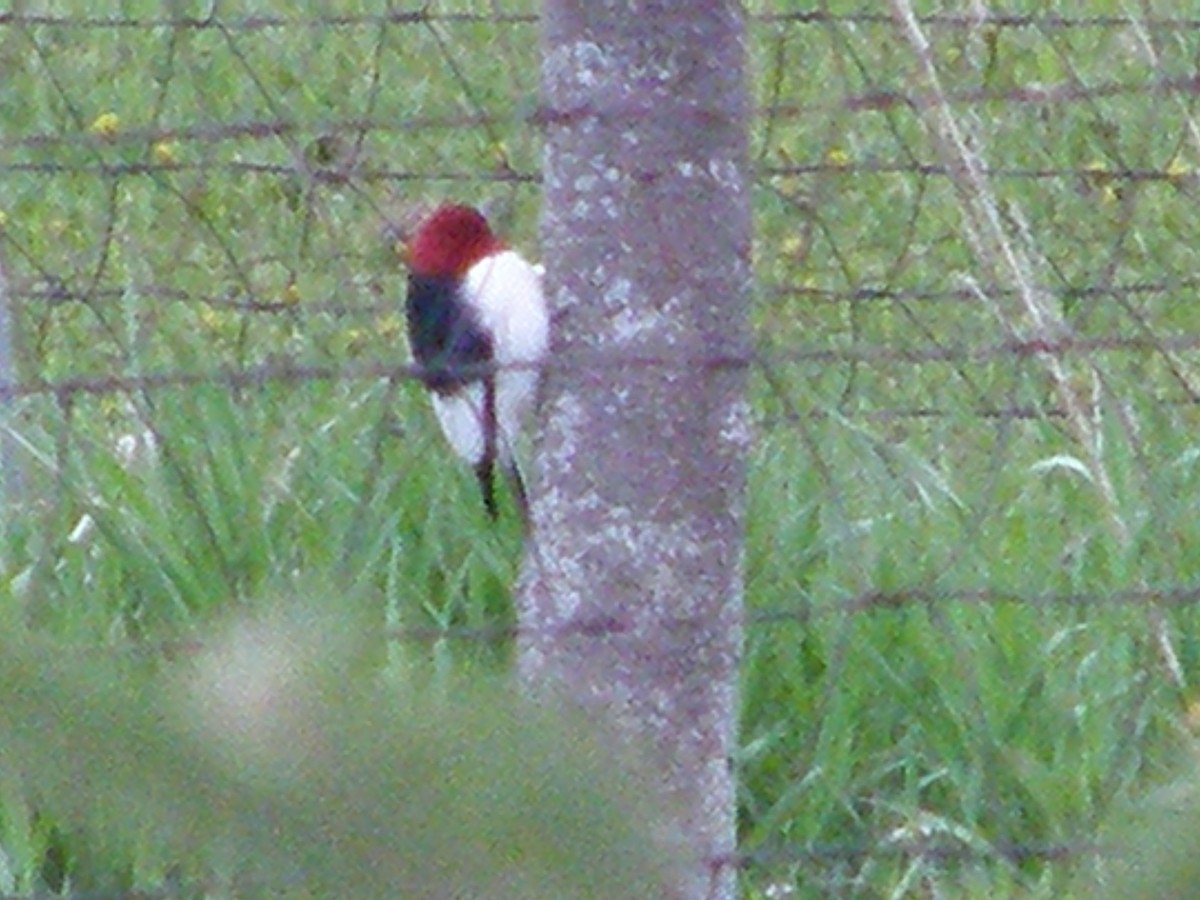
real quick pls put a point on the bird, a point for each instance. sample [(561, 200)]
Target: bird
[(478, 328)]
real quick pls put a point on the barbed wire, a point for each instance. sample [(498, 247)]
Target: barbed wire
[(295, 371), (983, 19), (1050, 93), (264, 22), (256, 128), (1170, 595), (1092, 173), (807, 612), (972, 294), (1059, 92), (111, 156), (951, 20), (61, 292)]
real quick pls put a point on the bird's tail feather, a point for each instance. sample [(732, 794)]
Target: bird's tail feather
[(485, 474)]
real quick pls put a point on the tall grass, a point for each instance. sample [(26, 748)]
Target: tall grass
[(157, 218)]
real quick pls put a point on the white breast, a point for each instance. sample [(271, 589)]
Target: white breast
[(505, 294)]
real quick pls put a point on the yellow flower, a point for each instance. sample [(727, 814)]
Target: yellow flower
[(789, 185), (109, 405), (1191, 715), (291, 293), (792, 245), (163, 153), (1177, 169), (389, 326), (1099, 177), (836, 156), (105, 125), (217, 321), (353, 340)]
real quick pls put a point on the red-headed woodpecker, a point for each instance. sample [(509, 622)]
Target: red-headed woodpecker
[(478, 327)]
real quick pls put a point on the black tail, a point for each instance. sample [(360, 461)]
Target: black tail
[(486, 467), (484, 473)]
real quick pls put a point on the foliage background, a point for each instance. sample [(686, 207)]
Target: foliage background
[(971, 563)]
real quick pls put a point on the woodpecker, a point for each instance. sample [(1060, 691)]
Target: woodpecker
[(478, 327)]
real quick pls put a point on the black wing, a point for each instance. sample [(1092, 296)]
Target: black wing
[(448, 343)]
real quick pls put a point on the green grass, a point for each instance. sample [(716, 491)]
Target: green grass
[(988, 718)]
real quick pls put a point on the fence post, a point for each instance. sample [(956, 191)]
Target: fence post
[(631, 596)]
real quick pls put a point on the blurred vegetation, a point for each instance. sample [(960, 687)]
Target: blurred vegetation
[(263, 764), (198, 200)]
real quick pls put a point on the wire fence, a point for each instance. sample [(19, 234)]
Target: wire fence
[(209, 202)]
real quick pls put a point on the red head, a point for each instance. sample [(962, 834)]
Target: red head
[(450, 240)]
